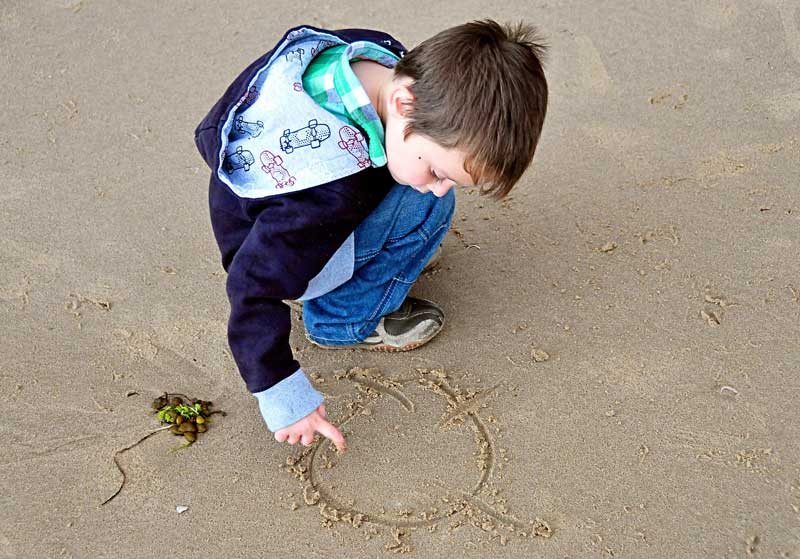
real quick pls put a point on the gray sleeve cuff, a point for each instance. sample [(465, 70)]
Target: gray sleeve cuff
[(289, 401)]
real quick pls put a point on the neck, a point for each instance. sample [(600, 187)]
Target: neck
[(376, 80)]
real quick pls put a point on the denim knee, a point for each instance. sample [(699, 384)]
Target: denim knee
[(392, 248), (434, 213), (448, 203), (441, 213)]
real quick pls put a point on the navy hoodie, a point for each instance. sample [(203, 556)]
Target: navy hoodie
[(272, 247)]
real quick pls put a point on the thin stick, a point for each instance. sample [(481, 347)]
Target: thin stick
[(120, 451)]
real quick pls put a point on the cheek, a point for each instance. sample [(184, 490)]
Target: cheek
[(414, 172), (403, 164), (394, 154)]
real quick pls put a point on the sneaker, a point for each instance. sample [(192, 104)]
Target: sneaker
[(415, 323)]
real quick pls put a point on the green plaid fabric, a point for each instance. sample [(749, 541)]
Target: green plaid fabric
[(330, 81)]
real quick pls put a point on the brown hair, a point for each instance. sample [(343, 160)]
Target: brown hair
[(480, 87)]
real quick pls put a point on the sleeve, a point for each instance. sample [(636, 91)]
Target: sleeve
[(290, 241), (289, 401)]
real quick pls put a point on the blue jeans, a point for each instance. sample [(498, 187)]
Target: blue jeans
[(392, 247)]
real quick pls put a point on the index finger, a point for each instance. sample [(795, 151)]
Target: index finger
[(328, 430)]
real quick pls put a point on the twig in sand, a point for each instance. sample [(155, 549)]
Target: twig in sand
[(120, 451)]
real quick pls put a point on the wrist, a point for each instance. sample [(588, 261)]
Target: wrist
[(288, 401)]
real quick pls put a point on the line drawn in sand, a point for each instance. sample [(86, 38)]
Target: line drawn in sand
[(456, 506)]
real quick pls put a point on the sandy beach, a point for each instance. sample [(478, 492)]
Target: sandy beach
[(618, 374)]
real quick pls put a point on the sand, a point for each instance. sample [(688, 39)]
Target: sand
[(618, 372)]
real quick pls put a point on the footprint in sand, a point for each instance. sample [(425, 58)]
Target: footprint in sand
[(595, 76), (581, 65), (420, 456), (146, 346), (789, 11), (715, 14), (785, 105)]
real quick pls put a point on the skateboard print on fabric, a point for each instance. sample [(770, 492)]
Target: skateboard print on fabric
[(252, 129), (273, 165), (312, 135), (353, 142), (240, 159), (321, 46), (249, 98), (296, 54)]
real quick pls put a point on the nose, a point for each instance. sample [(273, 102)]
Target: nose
[(439, 189)]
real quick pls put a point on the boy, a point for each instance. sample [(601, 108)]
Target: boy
[(333, 159)]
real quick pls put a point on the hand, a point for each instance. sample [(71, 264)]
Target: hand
[(303, 431)]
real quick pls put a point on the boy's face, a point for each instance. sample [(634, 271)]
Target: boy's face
[(417, 160)]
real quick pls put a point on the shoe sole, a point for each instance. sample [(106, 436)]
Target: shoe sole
[(382, 348)]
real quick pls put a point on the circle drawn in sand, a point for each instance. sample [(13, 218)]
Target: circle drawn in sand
[(461, 407)]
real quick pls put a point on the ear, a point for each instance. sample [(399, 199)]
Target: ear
[(400, 100)]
